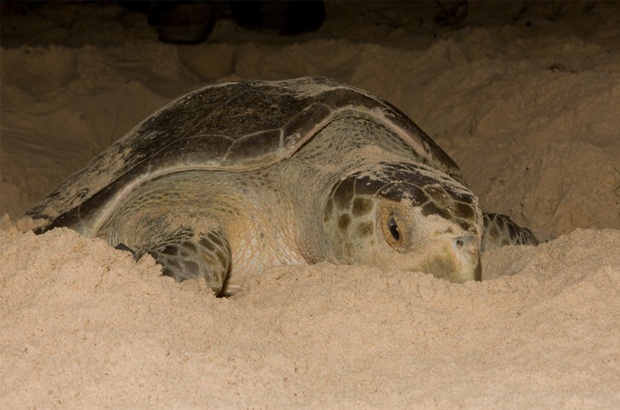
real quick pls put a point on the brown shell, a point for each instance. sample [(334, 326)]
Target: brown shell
[(233, 126)]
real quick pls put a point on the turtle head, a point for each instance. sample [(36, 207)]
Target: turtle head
[(408, 217)]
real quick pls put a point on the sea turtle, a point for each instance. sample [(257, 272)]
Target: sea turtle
[(233, 178)]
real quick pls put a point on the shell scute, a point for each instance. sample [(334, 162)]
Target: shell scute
[(232, 126)]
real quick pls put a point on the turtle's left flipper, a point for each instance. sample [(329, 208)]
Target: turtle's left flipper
[(123, 247), (208, 257), (185, 256), (500, 230)]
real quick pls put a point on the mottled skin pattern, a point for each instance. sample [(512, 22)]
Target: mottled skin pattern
[(232, 179), (500, 230), (357, 202)]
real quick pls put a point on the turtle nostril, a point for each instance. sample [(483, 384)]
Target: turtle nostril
[(463, 243)]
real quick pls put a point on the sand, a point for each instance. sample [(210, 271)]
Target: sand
[(524, 96)]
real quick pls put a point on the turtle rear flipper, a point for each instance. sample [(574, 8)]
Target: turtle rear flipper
[(188, 256), (499, 230)]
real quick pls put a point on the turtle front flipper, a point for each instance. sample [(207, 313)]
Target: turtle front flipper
[(184, 255), (499, 230)]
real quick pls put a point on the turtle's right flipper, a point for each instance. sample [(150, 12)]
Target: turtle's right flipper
[(500, 230), (206, 255)]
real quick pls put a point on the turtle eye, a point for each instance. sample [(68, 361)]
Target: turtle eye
[(393, 228)]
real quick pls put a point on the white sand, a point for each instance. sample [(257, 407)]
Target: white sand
[(531, 113)]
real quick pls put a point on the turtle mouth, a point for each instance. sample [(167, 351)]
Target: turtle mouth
[(455, 258)]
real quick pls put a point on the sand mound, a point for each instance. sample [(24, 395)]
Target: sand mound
[(524, 97)]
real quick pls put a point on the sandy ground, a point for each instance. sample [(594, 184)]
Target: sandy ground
[(524, 96)]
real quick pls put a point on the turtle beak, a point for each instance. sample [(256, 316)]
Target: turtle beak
[(456, 259)]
